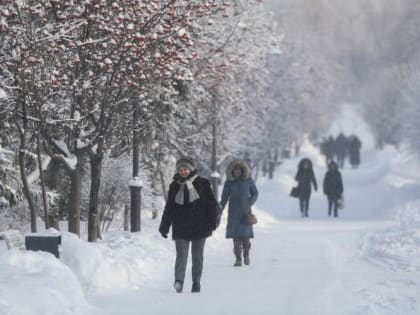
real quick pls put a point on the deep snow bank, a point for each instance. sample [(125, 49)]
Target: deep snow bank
[(36, 283), (121, 261)]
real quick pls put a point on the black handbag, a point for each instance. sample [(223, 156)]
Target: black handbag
[(294, 192)]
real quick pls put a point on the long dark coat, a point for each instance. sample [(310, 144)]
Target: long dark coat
[(190, 221), (355, 146), (241, 193), (341, 145), (333, 183), (305, 177)]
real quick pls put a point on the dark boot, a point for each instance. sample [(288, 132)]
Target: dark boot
[(246, 246), (195, 287), (238, 262), (246, 259), (178, 286), (237, 250)]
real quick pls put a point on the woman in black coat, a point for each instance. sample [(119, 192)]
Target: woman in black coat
[(305, 177), (333, 187), (191, 210)]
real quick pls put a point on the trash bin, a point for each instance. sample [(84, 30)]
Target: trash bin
[(46, 243)]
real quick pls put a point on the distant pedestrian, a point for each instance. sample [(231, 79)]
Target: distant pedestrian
[(330, 149), (240, 190), (305, 177), (341, 149), (327, 147), (354, 150), (191, 210), (333, 188)]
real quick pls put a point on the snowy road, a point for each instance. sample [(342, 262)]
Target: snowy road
[(318, 265)]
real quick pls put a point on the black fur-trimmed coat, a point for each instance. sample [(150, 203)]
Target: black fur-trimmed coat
[(190, 221), (305, 177)]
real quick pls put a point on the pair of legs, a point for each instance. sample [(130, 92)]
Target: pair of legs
[(333, 206), (304, 206), (241, 245), (197, 255)]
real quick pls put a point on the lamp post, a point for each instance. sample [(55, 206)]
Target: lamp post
[(135, 185)]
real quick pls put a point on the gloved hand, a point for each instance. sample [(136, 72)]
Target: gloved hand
[(164, 235)]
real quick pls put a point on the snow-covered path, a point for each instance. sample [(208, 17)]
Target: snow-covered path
[(318, 265)]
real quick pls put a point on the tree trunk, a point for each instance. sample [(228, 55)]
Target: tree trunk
[(214, 180), (155, 193), (257, 170), (96, 171), (155, 183), (41, 176), (276, 154), (264, 167), (126, 218), (51, 180), (271, 168), (271, 165), (22, 165), (75, 198), (163, 184), (26, 186)]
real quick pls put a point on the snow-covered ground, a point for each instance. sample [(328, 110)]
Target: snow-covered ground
[(365, 262)]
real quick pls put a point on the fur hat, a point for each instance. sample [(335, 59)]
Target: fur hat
[(186, 162), (238, 164)]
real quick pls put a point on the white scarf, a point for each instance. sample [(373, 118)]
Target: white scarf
[(192, 193)]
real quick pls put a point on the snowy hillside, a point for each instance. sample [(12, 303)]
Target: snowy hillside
[(365, 262)]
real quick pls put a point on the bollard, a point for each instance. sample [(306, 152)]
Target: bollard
[(135, 185)]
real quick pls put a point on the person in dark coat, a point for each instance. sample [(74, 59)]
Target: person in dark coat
[(330, 149), (354, 149), (341, 149), (333, 187), (191, 210), (305, 177), (240, 190)]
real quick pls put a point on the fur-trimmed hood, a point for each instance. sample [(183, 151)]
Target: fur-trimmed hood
[(300, 166), (238, 163)]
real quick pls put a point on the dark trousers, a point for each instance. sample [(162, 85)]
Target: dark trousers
[(240, 244), (197, 254), (333, 205), (304, 206)]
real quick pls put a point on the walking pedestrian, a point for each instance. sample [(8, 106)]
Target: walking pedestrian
[(341, 145), (191, 210), (354, 150), (305, 177), (333, 188), (240, 190)]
